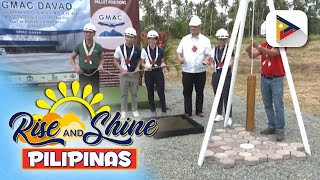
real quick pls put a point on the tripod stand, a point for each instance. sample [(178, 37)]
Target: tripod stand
[(237, 32)]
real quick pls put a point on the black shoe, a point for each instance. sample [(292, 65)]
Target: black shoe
[(187, 115), (280, 135), (268, 131), (200, 114)]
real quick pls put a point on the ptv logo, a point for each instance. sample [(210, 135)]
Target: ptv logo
[(287, 28)]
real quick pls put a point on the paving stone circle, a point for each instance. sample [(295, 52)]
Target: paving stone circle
[(224, 147)]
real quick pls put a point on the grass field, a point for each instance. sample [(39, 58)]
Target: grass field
[(305, 68)]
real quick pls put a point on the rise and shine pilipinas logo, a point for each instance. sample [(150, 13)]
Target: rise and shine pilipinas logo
[(52, 129)]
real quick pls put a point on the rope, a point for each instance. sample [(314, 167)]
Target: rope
[(173, 65), (119, 74), (252, 28)]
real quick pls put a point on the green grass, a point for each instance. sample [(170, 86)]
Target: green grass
[(111, 97)]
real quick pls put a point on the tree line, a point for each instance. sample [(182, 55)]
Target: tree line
[(172, 16)]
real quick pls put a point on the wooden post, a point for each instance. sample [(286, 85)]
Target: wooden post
[(251, 102)]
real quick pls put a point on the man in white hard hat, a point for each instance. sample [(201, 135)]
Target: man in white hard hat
[(272, 76), (216, 60), (90, 62), (153, 60), (192, 50), (127, 60)]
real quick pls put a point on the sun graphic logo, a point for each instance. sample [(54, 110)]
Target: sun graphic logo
[(52, 129)]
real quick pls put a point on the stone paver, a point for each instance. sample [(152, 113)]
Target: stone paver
[(232, 131), (255, 142), (299, 146), (241, 141), (229, 139), (262, 146), (239, 149), (237, 158), (212, 145), (224, 147), (262, 139), (284, 153), (275, 147), (251, 160), (262, 157), (220, 143), (245, 154), (219, 156), (227, 162), (233, 144), (289, 148), (220, 131), (298, 155), (231, 152), (282, 144), (217, 150), (268, 151), (275, 157), (269, 143), (216, 138), (209, 153), (253, 150), (224, 135), (240, 129), (236, 136), (249, 137)]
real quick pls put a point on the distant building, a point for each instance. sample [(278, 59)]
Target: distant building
[(16, 41)]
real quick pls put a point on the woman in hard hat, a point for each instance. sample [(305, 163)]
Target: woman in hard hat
[(216, 61), (90, 61), (153, 60), (127, 60), (272, 77)]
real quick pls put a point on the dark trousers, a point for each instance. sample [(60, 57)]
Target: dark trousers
[(190, 80), (225, 92), (94, 81), (155, 78)]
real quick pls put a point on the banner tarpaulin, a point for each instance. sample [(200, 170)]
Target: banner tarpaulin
[(53, 28), (111, 18)]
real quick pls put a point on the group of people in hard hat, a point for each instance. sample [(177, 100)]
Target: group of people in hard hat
[(128, 58), (195, 54)]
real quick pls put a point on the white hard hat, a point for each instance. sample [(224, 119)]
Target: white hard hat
[(89, 27), (195, 21), (263, 29), (222, 34), (152, 34), (130, 32)]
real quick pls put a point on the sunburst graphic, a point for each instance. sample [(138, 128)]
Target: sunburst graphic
[(75, 89)]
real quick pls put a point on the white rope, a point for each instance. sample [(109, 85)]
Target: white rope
[(119, 74), (252, 28)]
